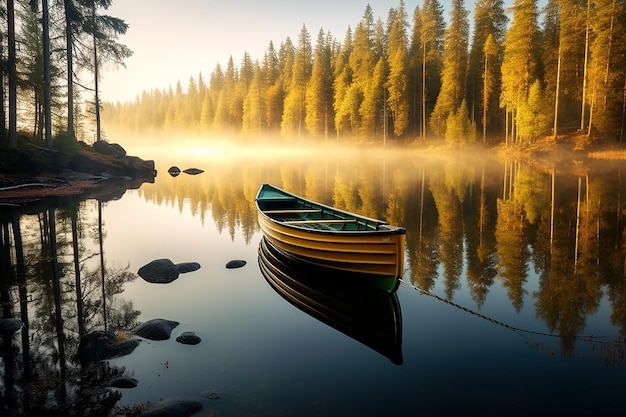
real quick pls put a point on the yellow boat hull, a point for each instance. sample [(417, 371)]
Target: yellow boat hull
[(379, 254)]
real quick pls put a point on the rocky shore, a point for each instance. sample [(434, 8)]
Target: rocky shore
[(33, 173)]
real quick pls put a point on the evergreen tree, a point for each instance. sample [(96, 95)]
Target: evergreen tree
[(534, 115), (485, 61), (253, 105), (294, 112), (520, 61), (362, 61), (459, 126), (415, 71), (319, 95), (606, 68), (431, 37), (397, 84), (454, 72), (344, 115)]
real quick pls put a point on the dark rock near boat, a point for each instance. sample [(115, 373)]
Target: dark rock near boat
[(236, 263), (156, 329), (185, 267), (124, 382), (9, 326), (100, 345), (174, 171), (173, 407), (159, 271), (164, 271), (188, 338), (193, 171)]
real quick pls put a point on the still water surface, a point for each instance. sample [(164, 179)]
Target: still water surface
[(512, 300)]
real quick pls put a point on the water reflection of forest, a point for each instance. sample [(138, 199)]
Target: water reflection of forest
[(56, 281), (468, 224)]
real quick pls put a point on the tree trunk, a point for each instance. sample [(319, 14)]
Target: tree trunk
[(70, 71), (46, 73), (11, 65), (584, 92), (95, 71), (556, 94)]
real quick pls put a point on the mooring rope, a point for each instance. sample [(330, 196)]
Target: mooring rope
[(492, 320)]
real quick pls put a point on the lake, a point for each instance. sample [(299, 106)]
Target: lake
[(512, 302)]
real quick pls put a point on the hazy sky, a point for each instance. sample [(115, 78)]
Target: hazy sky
[(173, 40)]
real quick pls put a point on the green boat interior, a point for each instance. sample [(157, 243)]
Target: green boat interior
[(295, 211)]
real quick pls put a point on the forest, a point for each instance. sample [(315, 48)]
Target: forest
[(524, 72)]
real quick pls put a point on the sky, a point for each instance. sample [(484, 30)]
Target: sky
[(174, 40)]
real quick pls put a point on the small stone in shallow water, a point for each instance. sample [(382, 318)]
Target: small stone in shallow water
[(193, 171), (237, 263), (185, 267), (174, 171), (173, 408), (188, 338), (212, 395), (156, 329), (9, 325), (159, 271), (124, 382)]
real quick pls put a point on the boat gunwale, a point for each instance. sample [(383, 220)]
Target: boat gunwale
[(382, 227)]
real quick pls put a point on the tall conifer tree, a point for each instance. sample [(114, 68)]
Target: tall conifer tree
[(454, 72), (519, 66), (397, 58)]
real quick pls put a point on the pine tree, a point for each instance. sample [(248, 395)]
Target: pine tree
[(397, 84), (431, 37), (294, 112), (341, 86), (534, 115), (519, 66), (454, 72), (489, 22), (319, 95)]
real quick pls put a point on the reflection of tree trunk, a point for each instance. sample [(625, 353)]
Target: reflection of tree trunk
[(56, 285), (577, 225), (556, 98), (101, 243), (552, 204), (23, 294), (483, 208), (421, 209), (79, 296)]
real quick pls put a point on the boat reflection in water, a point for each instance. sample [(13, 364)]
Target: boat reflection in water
[(367, 314)]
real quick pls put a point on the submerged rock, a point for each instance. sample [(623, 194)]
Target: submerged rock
[(159, 271), (164, 271), (193, 171), (236, 263), (9, 326), (100, 345), (174, 171), (188, 338), (185, 267), (124, 382), (156, 329), (172, 407)]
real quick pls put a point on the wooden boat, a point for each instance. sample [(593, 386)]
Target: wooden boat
[(332, 238), (364, 313)]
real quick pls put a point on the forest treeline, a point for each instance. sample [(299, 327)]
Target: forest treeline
[(524, 72), (51, 52)]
